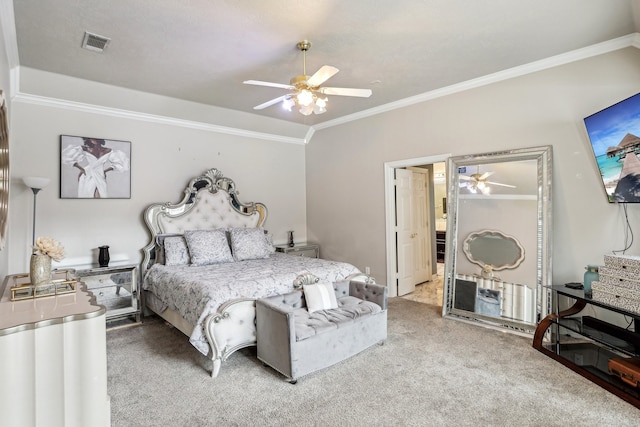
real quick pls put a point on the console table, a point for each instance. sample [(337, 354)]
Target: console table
[(585, 344), (54, 359)]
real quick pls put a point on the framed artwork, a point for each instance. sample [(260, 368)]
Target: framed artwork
[(94, 168)]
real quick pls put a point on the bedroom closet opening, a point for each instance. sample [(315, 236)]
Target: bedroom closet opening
[(418, 224)]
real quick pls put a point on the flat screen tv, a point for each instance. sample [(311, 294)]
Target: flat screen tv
[(614, 134)]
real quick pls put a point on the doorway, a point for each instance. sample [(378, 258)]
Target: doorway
[(395, 254)]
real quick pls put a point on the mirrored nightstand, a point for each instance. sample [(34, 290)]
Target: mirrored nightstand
[(310, 250), (115, 287)]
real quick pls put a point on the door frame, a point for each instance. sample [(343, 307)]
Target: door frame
[(390, 216)]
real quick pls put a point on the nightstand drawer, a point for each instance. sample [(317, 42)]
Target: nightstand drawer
[(301, 249), (308, 252)]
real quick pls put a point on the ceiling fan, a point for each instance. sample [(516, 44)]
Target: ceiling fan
[(306, 91), (477, 183)]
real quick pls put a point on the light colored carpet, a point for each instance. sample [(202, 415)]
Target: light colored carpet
[(430, 372)]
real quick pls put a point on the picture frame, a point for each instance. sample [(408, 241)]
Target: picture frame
[(94, 168)]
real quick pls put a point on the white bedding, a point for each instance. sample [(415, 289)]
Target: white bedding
[(197, 291)]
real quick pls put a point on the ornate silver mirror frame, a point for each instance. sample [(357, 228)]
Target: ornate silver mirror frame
[(533, 191), (4, 171)]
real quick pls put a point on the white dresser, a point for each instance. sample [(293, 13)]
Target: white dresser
[(53, 360)]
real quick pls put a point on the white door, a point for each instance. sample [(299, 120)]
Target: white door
[(421, 230), (404, 231)]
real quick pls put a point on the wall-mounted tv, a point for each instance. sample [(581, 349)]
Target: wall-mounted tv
[(615, 139)]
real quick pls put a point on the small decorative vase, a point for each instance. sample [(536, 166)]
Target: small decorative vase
[(291, 244), (591, 275), (103, 256), (40, 269)]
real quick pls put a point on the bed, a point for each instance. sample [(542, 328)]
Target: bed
[(208, 260)]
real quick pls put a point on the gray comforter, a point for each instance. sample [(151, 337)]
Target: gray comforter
[(197, 291)]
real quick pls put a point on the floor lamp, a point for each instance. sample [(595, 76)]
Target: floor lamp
[(36, 184)]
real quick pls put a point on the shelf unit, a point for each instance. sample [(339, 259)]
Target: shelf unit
[(441, 240), (585, 344)]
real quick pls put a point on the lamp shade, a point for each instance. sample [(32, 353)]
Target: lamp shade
[(36, 182)]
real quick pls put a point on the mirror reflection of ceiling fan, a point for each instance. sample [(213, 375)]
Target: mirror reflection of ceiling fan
[(477, 183), (306, 92)]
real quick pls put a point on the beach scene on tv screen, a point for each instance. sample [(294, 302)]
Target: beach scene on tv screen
[(613, 133)]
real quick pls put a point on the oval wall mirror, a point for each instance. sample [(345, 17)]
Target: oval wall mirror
[(493, 248)]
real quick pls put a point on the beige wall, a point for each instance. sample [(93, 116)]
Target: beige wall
[(341, 205), (345, 181), (164, 159)]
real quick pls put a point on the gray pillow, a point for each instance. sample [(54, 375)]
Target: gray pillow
[(159, 247), (176, 251), (208, 246), (250, 243)]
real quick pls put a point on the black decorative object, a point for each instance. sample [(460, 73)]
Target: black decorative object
[(103, 256), (291, 244)]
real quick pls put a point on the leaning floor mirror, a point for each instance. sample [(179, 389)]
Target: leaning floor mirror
[(498, 257)]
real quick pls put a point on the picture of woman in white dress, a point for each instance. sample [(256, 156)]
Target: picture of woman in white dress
[(94, 161)]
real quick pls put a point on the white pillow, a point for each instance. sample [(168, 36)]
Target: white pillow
[(320, 296), (208, 246), (176, 251), (250, 243)]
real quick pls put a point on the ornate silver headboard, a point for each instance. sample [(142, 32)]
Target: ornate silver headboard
[(210, 201)]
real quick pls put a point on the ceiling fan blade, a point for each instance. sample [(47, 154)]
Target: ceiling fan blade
[(501, 185), (268, 84), (273, 101), (345, 91), (465, 178), (485, 176), (322, 75)]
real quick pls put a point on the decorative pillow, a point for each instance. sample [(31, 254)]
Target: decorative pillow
[(250, 243), (176, 251), (159, 249), (320, 296), (208, 246)]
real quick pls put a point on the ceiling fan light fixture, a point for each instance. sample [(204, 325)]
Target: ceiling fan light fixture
[(306, 110), (288, 104), (320, 106), (305, 98), (321, 102)]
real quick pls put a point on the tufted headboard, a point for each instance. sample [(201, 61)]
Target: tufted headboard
[(210, 201)]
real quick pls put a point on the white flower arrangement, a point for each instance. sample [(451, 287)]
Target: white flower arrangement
[(48, 246)]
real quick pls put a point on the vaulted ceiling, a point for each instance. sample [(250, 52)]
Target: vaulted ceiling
[(203, 50)]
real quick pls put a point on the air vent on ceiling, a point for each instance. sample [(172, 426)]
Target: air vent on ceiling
[(94, 42)]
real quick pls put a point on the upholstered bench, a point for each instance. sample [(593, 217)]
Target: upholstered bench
[(296, 342)]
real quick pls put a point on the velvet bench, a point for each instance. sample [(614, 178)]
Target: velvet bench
[(295, 342)]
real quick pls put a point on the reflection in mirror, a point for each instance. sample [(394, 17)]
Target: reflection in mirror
[(493, 250), (507, 196)]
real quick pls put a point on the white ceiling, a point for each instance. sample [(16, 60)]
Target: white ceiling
[(202, 50)]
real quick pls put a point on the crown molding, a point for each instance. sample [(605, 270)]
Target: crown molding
[(543, 64), (153, 118), (309, 134)]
